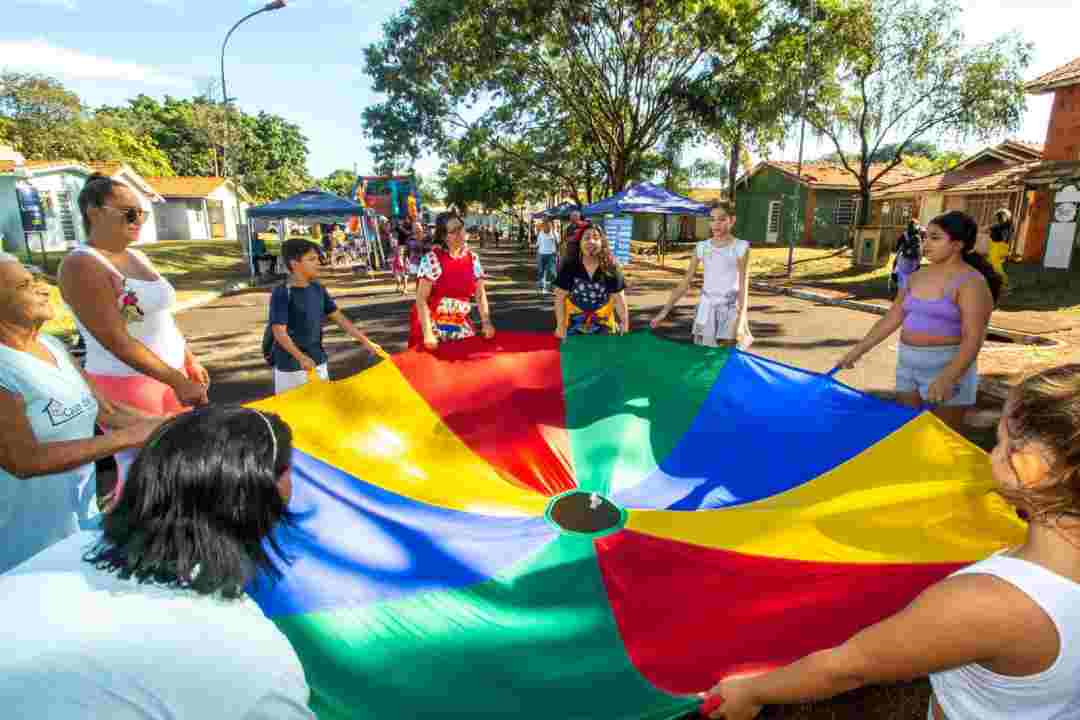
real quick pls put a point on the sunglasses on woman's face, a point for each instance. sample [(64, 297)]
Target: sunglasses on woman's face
[(453, 227), (131, 215)]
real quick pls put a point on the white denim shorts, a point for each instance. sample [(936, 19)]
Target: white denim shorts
[(918, 367)]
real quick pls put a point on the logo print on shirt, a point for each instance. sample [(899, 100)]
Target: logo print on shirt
[(59, 413)]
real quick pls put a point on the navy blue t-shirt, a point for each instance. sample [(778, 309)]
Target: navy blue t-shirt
[(302, 311)]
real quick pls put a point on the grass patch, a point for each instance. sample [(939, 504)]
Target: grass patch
[(194, 268)]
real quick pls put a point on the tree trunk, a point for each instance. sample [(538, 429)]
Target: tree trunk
[(733, 164)]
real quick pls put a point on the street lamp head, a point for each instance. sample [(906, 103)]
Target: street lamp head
[(275, 5)]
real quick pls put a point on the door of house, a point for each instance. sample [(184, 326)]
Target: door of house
[(67, 219), (772, 231), (1062, 236)]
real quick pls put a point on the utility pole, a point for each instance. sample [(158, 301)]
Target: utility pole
[(799, 211)]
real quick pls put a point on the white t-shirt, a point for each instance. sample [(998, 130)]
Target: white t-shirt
[(547, 243), (79, 642), (36, 512), (721, 265)]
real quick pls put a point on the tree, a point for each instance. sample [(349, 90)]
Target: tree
[(598, 76), (138, 151), (41, 116), (906, 74), (942, 162), (750, 96), (339, 182), (267, 154)]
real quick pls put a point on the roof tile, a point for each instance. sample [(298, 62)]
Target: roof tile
[(1067, 74), (836, 175)]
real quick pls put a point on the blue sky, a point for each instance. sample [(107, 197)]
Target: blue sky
[(305, 62)]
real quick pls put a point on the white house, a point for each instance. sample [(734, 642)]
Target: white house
[(199, 208), (58, 183)]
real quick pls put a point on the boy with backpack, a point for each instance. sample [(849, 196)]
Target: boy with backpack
[(292, 343)]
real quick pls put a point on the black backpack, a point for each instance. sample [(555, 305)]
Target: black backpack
[(268, 335)]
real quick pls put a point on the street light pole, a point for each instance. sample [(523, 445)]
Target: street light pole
[(275, 5), (802, 138)]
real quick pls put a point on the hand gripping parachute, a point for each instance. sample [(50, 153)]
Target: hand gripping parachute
[(600, 529)]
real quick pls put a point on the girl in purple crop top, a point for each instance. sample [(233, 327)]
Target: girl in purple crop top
[(943, 312)]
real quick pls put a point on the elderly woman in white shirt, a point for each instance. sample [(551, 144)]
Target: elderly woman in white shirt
[(47, 415)]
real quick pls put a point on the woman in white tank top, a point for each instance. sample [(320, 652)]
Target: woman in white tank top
[(123, 308), (1000, 638)]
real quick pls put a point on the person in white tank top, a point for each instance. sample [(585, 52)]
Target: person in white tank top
[(1000, 638), (721, 313), (135, 354)]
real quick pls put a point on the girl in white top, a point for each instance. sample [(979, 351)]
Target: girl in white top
[(721, 312), (135, 354), (999, 639)]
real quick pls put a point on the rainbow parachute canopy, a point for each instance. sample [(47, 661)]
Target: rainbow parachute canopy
[(601, 528)]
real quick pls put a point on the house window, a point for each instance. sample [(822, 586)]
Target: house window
[(896, 213), (982, 207), (846, 211)]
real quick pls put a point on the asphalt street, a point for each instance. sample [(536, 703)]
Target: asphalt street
[(226, 334)]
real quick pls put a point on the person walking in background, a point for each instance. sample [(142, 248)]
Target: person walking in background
[(398, 266), (571, 244), (590, 292), (908, 255), (149, 618), (547, 245), (1000, 239), (943, 313), (297, 311), (123, 308), (721, 317)]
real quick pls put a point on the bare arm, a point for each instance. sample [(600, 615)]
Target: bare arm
[(24, 457), (622, 311), (744, 286), (88, 289), (679, 290), (423, 293), (956, 622), (883, 328), (560, 312), (338, 317), (281, 337), (115, 415), (976, 303)]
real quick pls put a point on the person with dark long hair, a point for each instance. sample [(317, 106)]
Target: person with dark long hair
[(450, 278), (590, 292), (944, 312), (149, 617)]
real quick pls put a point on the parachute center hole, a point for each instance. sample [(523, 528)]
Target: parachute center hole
[(585, 513)]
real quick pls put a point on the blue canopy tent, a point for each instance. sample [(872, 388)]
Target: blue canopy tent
[(559, 212), (313, 205), (646, 198), (643, 198)]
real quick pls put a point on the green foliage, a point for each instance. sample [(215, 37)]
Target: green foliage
[(907, 74), (580, 92), (340, 182), (267, 154), (944, 161)]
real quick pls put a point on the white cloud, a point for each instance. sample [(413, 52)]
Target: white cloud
[(39, 56)]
